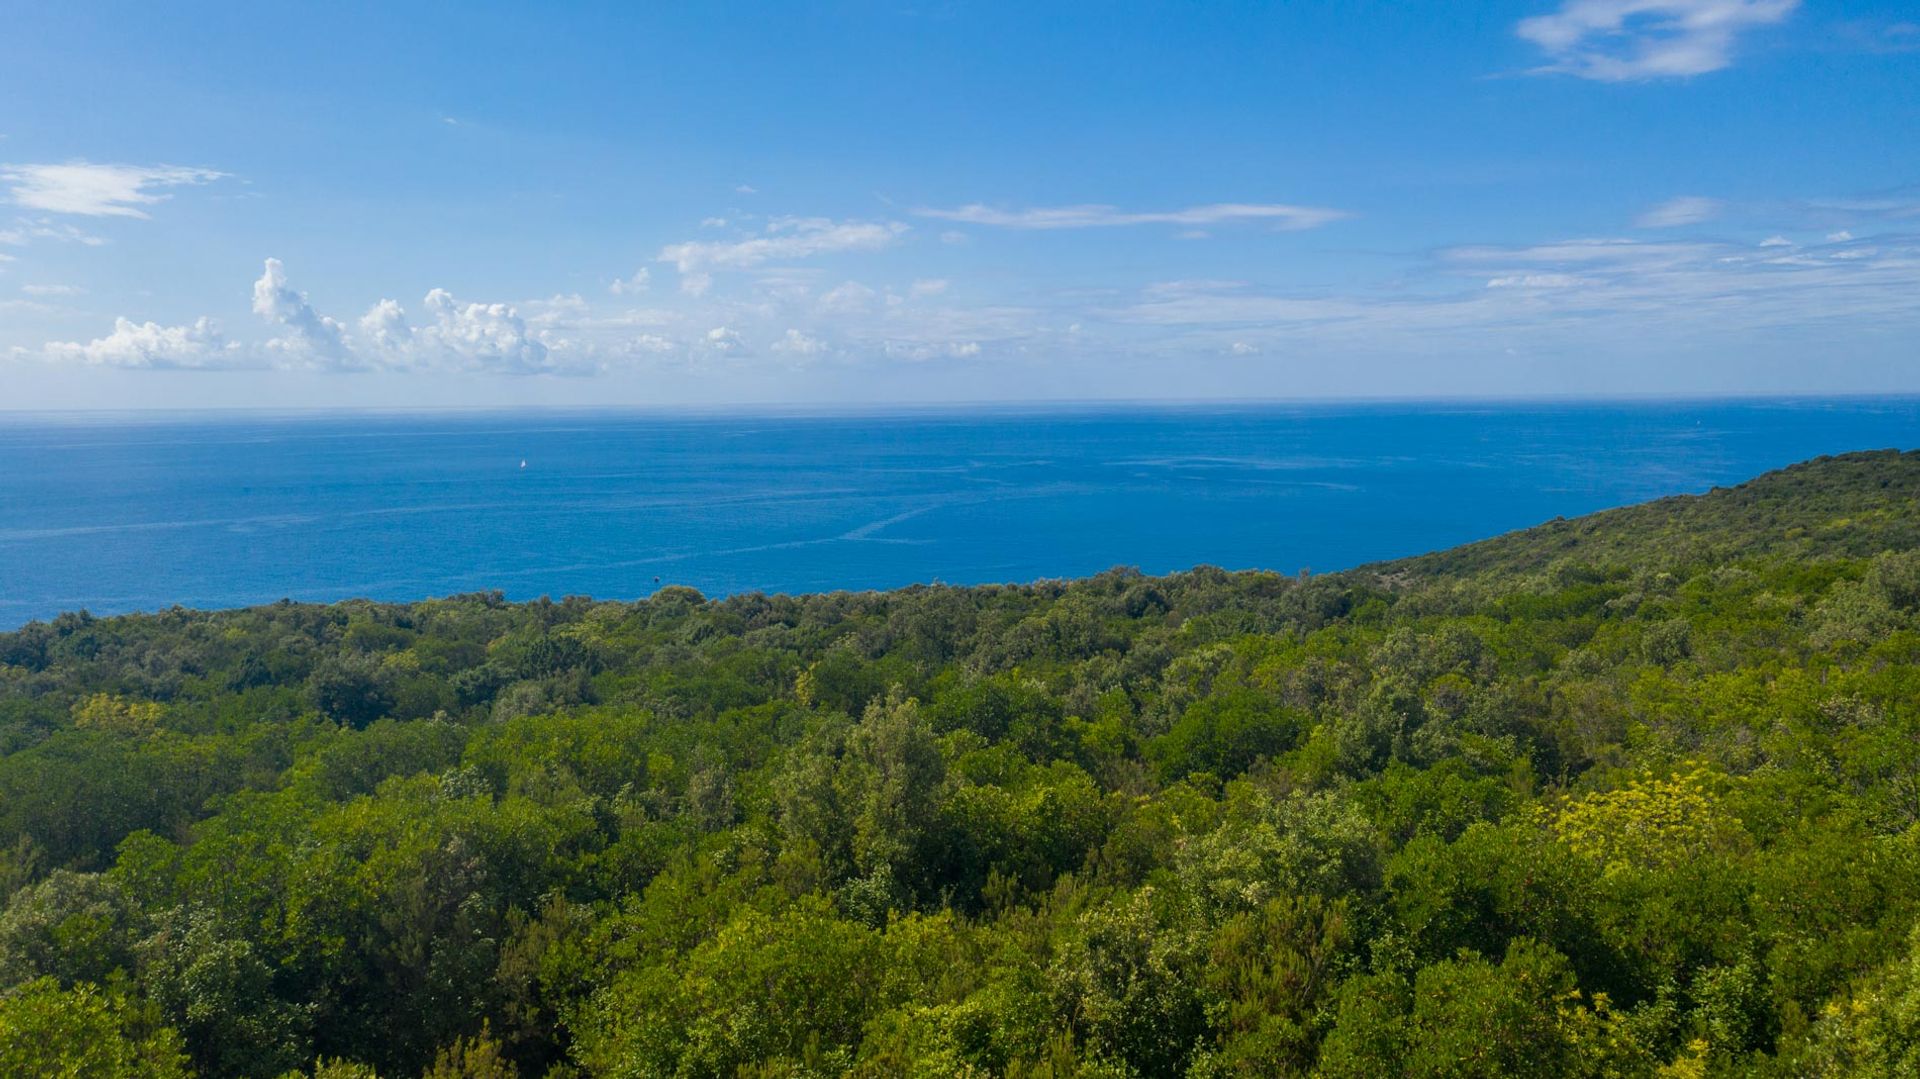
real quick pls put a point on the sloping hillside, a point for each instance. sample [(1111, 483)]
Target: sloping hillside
[(1851, 505)]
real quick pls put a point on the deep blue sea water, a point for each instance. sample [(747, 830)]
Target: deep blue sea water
[(123, 513)]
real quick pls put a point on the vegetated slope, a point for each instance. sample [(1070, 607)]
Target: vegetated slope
[(1853, 504), (1636, 794)]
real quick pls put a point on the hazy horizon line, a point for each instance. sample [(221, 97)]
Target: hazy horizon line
[(989, 405)]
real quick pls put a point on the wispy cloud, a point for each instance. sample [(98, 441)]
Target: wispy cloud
[(1539, 280), (1890, 206), (26, 230), (1632, 40), (1675, 212), (97, 190), (783, 238), (1570, 293), (1098, 216)]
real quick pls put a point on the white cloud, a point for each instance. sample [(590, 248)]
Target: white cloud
[(921, 351), (560, 309), (97, 190), (631, 286), (1684, 210), (385, 327), (26, 230), (725, 339), (696, 284), (745, 189), (1776, 241), (1655, 293), (784, 238), (648, 343), (311, 337), (847, 298), (1537, 280), (713, 222), (1840, 237), (1895, 207), (1631, 40), (491, 338), (1095, 216), (481, 336), (151, 345), (795, 343), (955, 238), (52, 290)]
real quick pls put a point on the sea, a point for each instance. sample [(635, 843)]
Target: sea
[(113, 513)]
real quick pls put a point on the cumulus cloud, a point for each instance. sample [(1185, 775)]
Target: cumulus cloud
[(451, 336), (1684, 210), (385, 327), (783, 238), (97, 190), (847, 298), (480, 336), (1097, 216), (311, 337), (1632, 40), (631, 286), (491, 338), (151, 345), (796, 343), (725, 339)]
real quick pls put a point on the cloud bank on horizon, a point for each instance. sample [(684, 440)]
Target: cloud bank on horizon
[(1504, 259)]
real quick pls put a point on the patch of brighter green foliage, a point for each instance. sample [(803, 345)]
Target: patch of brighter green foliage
[(1633, 795), (1651, 824)]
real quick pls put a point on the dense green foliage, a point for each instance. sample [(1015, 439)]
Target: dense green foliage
[(1632, 795)]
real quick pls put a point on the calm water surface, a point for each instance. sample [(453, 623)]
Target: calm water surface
[(136, 513)]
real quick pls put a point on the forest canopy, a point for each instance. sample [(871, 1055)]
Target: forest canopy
[(1636, 794)]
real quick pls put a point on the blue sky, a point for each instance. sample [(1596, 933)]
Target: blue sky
[(418, 205)]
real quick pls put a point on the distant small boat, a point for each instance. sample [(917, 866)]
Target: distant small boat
[(523, 462)]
